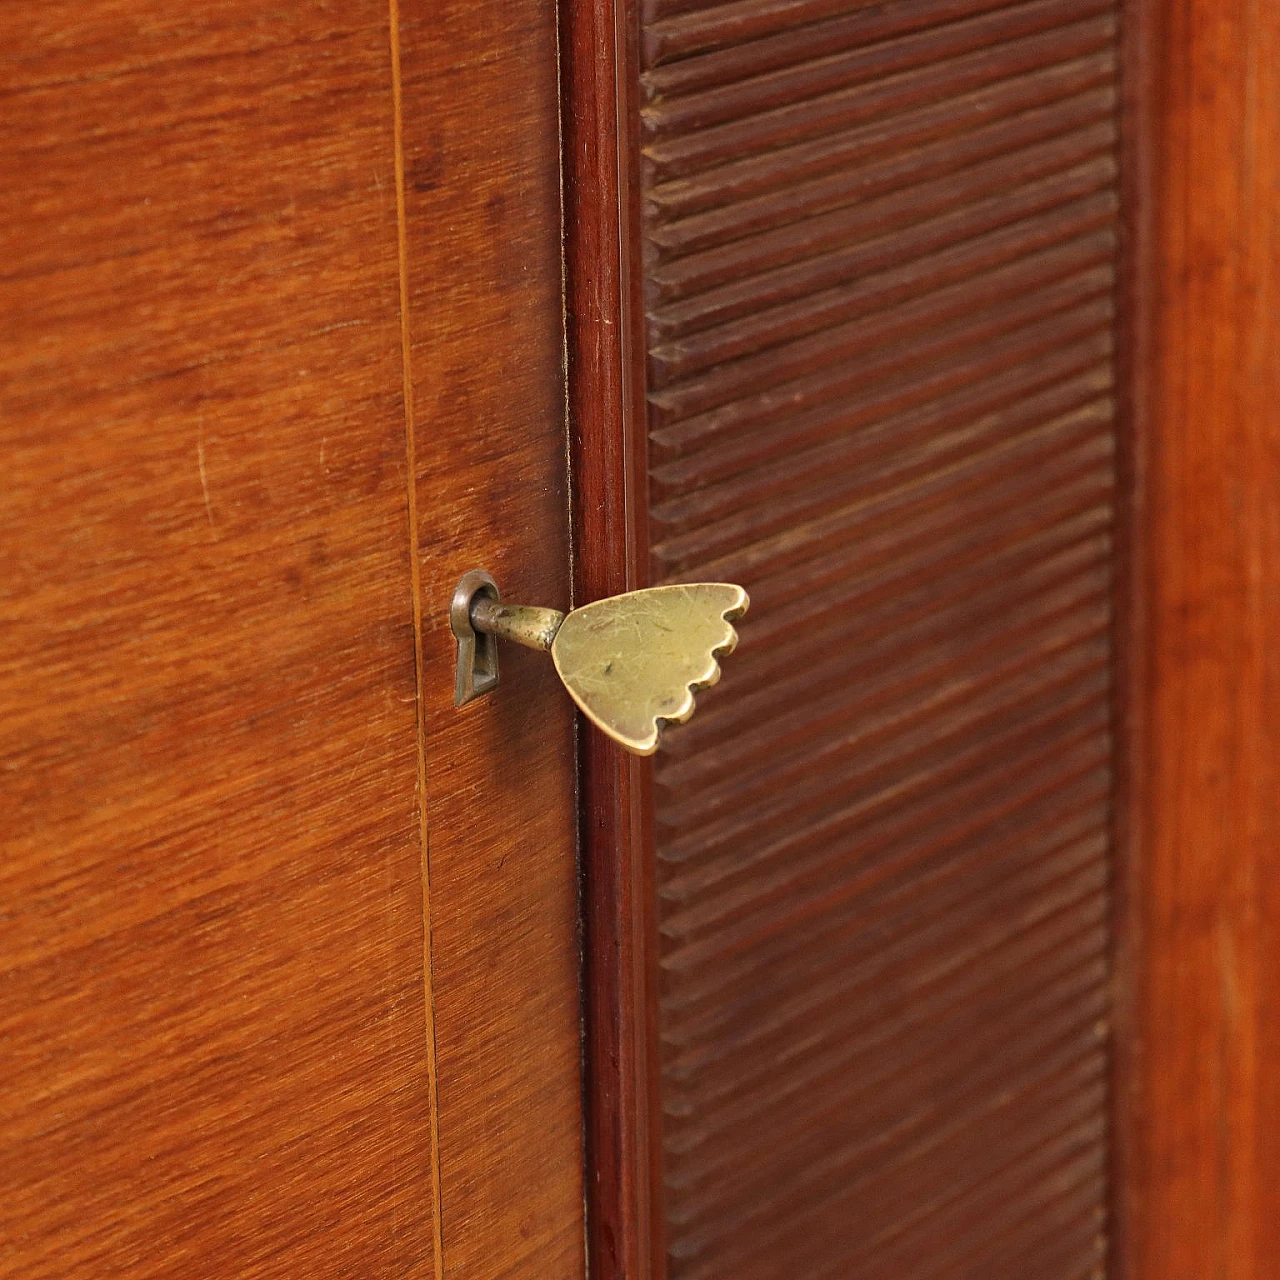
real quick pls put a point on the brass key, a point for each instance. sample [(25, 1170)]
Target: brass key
[(632, 662)]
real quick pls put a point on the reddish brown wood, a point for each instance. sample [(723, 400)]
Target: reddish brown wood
[(1201, 1173), (483, 305), (216, 796), (610, 529), (212, 1023), (880, 271)]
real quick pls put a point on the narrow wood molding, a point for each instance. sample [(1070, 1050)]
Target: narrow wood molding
[(609, 504), (1198, 1162)]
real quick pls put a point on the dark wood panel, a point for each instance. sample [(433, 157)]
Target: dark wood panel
[(212, 1023), (485, 334), (880, 248), (1200, 1148), (608, 447)]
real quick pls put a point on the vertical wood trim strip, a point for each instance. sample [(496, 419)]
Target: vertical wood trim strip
[(1132, 356), (604, 322), (1201, 1170)]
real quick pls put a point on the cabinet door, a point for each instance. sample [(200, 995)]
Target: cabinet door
[(944, 328), (289, 947)]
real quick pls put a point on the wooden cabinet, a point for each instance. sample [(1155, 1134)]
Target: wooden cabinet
[(940, 943)]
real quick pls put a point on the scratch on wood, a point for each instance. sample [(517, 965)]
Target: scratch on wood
[(204, 479)]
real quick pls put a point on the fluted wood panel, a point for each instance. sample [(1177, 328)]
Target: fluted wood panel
[(880, 262)]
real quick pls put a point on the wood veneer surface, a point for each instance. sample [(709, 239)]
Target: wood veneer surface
[(1201, 1041), (879, 267), (216, 1026), (213, 1036), (485, 338)]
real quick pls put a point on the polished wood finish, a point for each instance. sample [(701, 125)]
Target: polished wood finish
[(606, 386), (483, 305), (1200, 1147), (880, 263), (281, 357), (212, 1024), (280, 301)]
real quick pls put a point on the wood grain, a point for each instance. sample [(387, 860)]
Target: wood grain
[(486, 340), (212, 1022), (1199, 1149), (880, 265), (606, 387)]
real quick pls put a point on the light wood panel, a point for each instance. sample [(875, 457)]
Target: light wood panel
[(212, 1023), (486, 340), (216, 1026)]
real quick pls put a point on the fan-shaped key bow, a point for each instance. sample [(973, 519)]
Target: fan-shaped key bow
[(632, 663)]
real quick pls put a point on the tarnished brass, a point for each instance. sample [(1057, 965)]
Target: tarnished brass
[(477, 653), (632, 663), (525, 624)]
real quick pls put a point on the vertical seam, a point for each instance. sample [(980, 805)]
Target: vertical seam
[(411, 480)]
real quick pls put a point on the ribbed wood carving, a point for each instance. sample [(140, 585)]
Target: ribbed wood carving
[(880, 245)]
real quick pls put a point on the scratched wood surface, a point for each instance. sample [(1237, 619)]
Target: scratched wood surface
[(214, 1024), (482, 206), (1200, 1148)]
